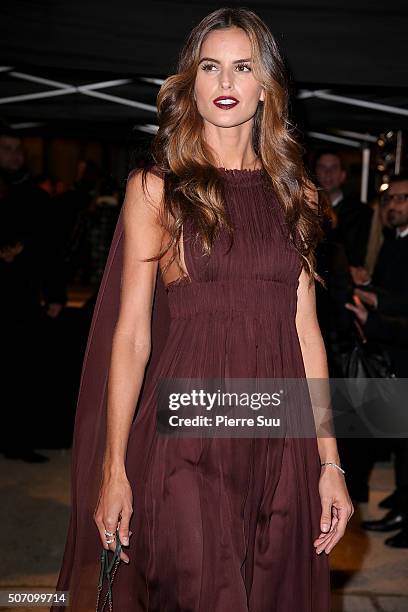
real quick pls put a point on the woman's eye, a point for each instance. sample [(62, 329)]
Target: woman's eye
[(243, 68), (209, 67)]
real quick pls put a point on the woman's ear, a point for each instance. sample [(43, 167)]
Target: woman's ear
[(262, 95)]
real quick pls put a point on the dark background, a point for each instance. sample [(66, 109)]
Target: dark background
[(353, 49)]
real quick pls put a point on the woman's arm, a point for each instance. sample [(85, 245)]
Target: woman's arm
[(337, 508), (132, 337), (314, 357), (131, 348)]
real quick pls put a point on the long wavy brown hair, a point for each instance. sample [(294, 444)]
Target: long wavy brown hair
[(193, 187)]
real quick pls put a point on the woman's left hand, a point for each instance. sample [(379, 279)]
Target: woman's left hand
[(337, 509)]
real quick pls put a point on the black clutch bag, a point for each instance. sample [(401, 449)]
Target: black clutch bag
[(366, 359), (106, 576)]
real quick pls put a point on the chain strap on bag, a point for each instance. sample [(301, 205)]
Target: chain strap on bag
[(108, 571)]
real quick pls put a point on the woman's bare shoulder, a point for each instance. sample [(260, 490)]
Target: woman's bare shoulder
[(145, 186), (151, 173)]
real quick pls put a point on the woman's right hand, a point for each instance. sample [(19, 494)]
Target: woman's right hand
[(114, 509)]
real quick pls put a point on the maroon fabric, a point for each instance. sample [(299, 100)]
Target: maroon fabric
[(218, 524)]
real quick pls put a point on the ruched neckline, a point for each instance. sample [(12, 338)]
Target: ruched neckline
[(245, 175)]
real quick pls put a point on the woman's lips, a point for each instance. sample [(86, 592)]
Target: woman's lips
[(225, 102)]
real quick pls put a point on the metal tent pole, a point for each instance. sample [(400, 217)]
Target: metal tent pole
[(365, 173), (398, 153)]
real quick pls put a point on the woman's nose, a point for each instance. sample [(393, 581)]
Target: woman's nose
[(226, 79)]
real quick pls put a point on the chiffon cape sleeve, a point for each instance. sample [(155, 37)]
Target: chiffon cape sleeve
[(79, 572)]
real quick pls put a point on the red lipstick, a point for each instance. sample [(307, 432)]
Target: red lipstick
[(225, 102)]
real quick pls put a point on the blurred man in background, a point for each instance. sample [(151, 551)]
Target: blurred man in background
[(353, 217)]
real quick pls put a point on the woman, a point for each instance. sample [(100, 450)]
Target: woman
[(217, 524)]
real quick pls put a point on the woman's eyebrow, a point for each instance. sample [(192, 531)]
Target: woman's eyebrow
[(211, 59)]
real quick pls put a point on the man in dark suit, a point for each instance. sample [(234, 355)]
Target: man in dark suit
[(353, 217), (382, 309)]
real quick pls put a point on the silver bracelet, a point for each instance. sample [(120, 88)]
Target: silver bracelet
[(334, 465)]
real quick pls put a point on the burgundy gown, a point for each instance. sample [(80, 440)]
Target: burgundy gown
[(219, 524)]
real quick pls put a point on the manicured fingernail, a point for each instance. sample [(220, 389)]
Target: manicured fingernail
[(325, 527), (125, 541)]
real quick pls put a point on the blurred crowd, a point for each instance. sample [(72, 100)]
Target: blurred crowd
[(364, 259), (53, 237)]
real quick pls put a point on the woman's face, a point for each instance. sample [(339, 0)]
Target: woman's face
[(226, 91)]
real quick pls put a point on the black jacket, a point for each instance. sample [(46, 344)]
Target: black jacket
[(37, 273), (353, 227), (389, 324)]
